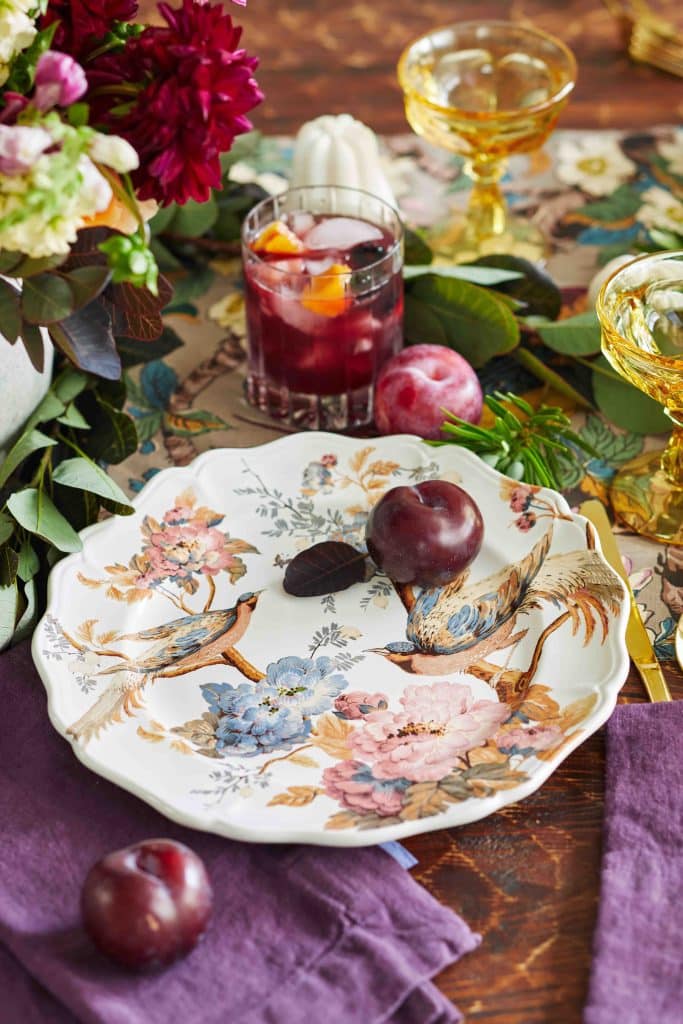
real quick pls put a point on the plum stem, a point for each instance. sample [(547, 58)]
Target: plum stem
[(406, 593)]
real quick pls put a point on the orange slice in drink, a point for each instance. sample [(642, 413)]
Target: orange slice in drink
[(277, 238), (326, 294)]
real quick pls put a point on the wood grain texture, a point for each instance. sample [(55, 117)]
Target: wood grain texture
[(527, 878), (340, 55)]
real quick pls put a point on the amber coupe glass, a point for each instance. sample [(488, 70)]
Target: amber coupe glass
[(486, 90), (641, 315)]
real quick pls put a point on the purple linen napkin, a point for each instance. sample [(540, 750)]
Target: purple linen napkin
[(637, 970), (298, 932)]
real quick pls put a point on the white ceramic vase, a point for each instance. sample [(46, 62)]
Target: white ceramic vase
[(21, 386)]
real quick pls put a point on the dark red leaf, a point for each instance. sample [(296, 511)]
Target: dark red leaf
[(135, 312), (324, 569)]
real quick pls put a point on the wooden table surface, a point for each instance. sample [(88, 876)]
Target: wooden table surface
[(527, 878)]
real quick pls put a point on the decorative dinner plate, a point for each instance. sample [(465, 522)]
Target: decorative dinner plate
[(178, 667)]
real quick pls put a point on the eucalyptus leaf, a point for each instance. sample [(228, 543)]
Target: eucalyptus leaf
[(46, 299), (626, 406), (475, 323), (85, 475), (485, 276), (10, 315), (576, 336), (28, 618), (73, 417), (28, 563), (6, 527), (30, 441), (9, 600), (69, 384), (37, 513)]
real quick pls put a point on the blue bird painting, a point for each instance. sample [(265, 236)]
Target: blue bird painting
[(177, 647), (452, 627)]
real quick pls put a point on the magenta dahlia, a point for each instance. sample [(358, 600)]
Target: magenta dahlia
[(83, 22), (195, 86)]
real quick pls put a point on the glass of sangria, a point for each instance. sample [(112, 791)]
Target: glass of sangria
[(324, 302)]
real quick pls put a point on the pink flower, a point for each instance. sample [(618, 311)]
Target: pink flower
[(20, 147), (355, 787), (329, 460), (520, 499), (422, 743), (60, 81), (521, 740), (183, 550), (359, 704)]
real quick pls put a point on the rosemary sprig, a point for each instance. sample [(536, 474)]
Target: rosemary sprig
[(529, 447)]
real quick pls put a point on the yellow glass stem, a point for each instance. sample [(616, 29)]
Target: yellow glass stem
[(486, 210)]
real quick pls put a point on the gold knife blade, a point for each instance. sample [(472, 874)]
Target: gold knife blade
[(637, 639)]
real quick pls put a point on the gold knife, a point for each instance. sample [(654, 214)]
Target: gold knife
[(637, 640)]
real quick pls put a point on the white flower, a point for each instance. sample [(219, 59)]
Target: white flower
[(17, 31), (244, 174), (20, 147), (114, 152), (661, 210), (672, 152), (598, 166), (50, 229)]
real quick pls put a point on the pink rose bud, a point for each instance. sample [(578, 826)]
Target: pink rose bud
[(358, 704), (60, 81)]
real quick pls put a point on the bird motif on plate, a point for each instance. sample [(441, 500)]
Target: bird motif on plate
[(176, 648), (450, 628)]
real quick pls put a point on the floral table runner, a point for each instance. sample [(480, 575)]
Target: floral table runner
[(592, 193)]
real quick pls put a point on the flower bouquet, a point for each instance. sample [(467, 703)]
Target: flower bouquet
[(103, 121)]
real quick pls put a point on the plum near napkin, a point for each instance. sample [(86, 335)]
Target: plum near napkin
[(637, 972), (298, 932)]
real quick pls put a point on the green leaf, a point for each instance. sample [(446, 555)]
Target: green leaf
[(6, 527), (485, 276), (28, 618), (29, 563), (134, 352), (85, 475), (166, 260), (476, 324), (421, 326), (576, 336), (416, 250), (46, 299), (32, 339), (162, 218), (190, 286), (623, 204), (666, 239), (148, 425), (544, 373), (69, 384), (48, 409), (29, 266), (193, 219), (10, 315), (37, 514), (626, 406), (30, 441), (86, 283), (9, 601), (534, 287), (73, 417), (9, 562)]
